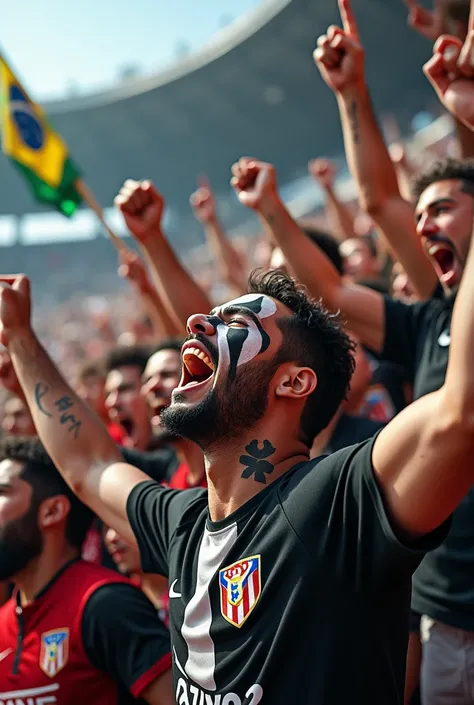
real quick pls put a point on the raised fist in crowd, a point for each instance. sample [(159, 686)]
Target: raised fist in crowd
[(142, 208), (254, 182), (428, 23), (451, 73), (339, 55), (15, 307), (131, 267), (323, 171), (203, 203)]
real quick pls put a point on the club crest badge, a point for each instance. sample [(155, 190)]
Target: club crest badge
[(240, 588), (54, 652)]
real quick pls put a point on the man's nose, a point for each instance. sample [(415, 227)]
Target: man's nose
[(111, 400), (426, 226), (200, 323)]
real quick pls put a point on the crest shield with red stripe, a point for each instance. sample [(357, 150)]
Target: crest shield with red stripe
[(240, 587), (54, 652)]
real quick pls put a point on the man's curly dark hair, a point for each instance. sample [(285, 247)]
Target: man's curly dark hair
[(313, 338), (444, 170)]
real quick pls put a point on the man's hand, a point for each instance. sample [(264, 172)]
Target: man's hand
[(428, 23), (451, 72), (132, 268), (254, 183), (323, 171), (15, 307), (202, 202), (142, 208), (339, 55)]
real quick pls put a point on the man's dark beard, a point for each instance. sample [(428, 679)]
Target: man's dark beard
[(163, 436), (20, 542), (227, 412)]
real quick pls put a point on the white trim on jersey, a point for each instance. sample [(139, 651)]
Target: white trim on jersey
[(201, 663)]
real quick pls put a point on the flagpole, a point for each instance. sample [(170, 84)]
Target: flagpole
[(89, 198)]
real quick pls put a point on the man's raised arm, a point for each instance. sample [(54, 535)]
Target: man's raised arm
[(362, 308), (423, 458), (72, 434), (142, 208), (340, 59)]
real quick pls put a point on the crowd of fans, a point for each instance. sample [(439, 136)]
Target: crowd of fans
[(390, 265)]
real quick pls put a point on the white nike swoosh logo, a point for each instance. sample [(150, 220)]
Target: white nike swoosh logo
[(172, 592), (5, 653), (444, 339)]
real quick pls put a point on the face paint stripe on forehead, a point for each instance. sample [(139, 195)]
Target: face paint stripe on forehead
[(263, 306)]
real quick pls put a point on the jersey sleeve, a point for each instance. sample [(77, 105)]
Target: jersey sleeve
[(402, 326), (154, 513), (337, 510), (134, 648)]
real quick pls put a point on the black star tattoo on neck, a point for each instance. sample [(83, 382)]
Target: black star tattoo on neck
[(255, 461)]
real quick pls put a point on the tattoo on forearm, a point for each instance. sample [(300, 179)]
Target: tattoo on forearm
[(62, 405), (354, 120), (255, 462), (40, 391)]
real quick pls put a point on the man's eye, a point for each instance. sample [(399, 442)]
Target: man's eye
[(237, 322)]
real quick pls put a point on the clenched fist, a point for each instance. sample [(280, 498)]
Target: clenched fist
[(339, 55), (323, 171), (451, 73), (142, 208), (202, 202), (132, 268), (15, 307), (254, 182), (428, 23)]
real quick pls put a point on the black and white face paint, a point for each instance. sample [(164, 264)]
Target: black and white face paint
[(237, 346)]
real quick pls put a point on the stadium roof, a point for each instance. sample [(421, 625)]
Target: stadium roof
[(254, 90)]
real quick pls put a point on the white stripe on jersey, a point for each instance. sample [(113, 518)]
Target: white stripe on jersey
[(195, 631)]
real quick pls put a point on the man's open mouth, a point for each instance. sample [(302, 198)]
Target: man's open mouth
[(127, 424), (444, 262), (198, 367)]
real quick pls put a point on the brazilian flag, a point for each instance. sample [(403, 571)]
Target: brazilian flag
[(32, 145)]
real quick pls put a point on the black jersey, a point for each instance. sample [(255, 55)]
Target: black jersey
[(300, 596)]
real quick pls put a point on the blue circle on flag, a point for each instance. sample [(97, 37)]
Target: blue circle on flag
[(26, 122)]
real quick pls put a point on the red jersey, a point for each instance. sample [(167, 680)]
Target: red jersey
[(43, 659)]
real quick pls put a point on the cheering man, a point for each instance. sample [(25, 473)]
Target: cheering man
[(283, 562)]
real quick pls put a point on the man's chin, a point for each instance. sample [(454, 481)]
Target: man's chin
[(194, 422)]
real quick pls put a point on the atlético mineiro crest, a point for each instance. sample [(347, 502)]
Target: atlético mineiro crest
[(54, 651), (240, 587)]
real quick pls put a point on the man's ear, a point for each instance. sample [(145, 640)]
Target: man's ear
[(53, 511), (296, 383)]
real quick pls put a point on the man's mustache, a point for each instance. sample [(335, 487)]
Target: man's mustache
[(440, 240)]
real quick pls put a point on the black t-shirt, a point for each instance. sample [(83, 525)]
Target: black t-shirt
[(418, 337), (300, 596), (123, 636), (350, 430)]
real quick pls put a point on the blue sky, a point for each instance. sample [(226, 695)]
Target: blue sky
[(56, 42)]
